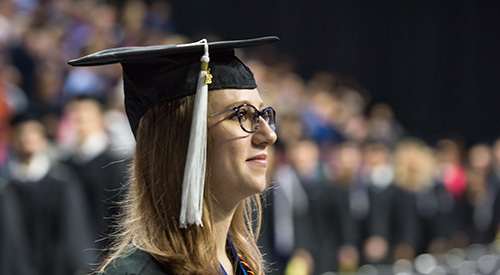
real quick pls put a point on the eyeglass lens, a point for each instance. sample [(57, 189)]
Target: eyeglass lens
[(249, 117)]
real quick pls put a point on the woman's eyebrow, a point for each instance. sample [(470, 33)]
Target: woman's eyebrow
[(238, 103)]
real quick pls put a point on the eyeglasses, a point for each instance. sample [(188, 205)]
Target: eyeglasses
[(248, 116)]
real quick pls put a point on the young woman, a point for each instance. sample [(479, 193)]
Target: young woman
[(163, 91)]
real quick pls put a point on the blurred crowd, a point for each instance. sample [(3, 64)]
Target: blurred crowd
[(348, 185)]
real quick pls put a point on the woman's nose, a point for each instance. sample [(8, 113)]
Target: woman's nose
[(264, 135)]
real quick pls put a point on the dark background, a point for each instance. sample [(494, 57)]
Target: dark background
[(436, 63)]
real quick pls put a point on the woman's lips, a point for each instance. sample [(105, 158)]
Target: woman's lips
[(260, 160)]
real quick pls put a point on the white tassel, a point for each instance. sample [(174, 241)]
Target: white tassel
[(194, 172)]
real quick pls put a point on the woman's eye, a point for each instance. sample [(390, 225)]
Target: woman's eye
[(243, 115)]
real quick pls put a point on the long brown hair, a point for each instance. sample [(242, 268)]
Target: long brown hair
[(150, 219)]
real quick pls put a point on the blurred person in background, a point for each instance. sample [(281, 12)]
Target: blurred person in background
[(159, 18), (332, 231), (104, 31), (146, 23), (414, 166), (321, 115), (46, 101), (285, 199), (389, 227), (292, 128), (353, 123), (382, 126), (38, 61), (294, 202), (451, 174), (352, 100), (101, 169), (289, 89), (356, 128), (132, 19), (53, 210), (343, 108), (344, 203), (89, 26), (482, 204), (19, 56)]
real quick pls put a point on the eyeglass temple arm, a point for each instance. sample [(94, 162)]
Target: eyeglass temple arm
[(223, 112)]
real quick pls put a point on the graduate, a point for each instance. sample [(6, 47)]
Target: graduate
[(99, 167), (50, 207), (202, 133)]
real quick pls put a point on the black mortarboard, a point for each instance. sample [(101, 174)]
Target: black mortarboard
[(157, 73)]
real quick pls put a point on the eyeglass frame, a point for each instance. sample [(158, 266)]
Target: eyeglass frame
[(259, 115)]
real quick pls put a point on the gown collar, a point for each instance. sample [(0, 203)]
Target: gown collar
[(242, 267)]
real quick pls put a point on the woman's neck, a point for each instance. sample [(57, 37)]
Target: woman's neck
[(221, 229)]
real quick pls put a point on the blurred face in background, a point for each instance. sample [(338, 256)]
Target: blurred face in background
[(328, 107), (290, 129), (480, 157), (479, 160), (29, 139), (348, 160), (414, 164), (349, 157), (448, 152), (376, 154), (86, 116), (305, 157)]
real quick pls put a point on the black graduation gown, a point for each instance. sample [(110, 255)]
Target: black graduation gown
[(391, 216), (335, 223), (316, 214), (289, 206), (55, 217), (435, 215), (140, 262), (102, 179), (13, 236), (267, 238), (481, 222)]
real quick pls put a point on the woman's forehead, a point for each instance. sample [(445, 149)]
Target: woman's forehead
[(228, 98)]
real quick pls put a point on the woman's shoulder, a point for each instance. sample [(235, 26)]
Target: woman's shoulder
[(136, 262)]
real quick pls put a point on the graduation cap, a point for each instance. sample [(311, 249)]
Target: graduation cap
[(155, 74)]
